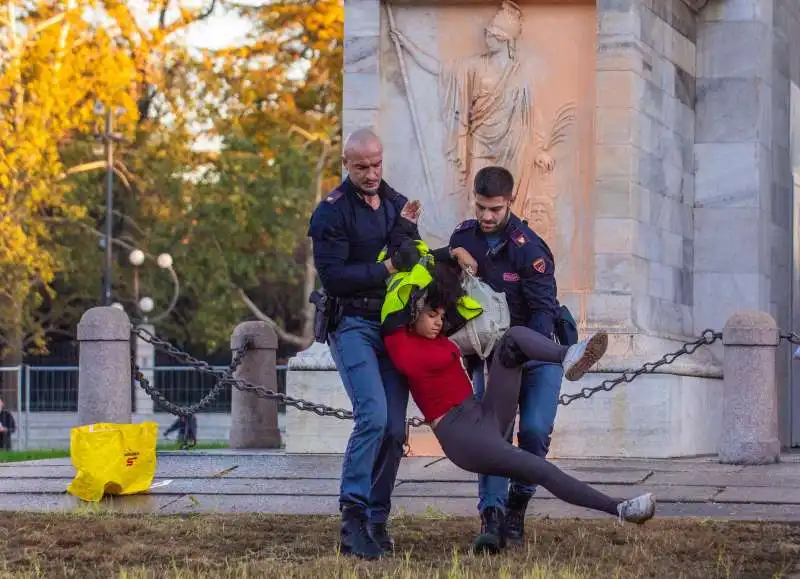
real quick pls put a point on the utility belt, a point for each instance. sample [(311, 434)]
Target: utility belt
[(330, 310)]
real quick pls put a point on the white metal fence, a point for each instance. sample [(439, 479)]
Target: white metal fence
[(46, 405)]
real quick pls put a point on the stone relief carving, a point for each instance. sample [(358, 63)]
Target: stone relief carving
[(489, 114)]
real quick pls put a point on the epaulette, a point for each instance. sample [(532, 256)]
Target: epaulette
[(518, 236), (334, 197), (468, 224)]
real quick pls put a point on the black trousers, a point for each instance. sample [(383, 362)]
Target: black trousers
[(475, 434)]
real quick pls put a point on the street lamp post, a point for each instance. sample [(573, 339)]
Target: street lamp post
[(145, 352), (108, 137)]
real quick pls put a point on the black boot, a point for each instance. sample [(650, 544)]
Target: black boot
[(355, 539), (491, 538), (380, 535), (515, 518)]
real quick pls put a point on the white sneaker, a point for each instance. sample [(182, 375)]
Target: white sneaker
[(583, 355), (637, 510)]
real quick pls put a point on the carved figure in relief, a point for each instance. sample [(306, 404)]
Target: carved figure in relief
[(487, 104)]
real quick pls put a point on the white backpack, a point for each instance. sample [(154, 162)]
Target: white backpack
[(481, 333)]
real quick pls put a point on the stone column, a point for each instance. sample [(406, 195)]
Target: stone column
[(750, 410), (104, 370), (254, 420)]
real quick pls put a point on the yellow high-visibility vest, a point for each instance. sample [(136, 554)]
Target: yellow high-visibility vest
[(401, 284)]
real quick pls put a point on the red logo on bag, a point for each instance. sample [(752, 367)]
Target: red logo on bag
[(131, 458), (510, 276)]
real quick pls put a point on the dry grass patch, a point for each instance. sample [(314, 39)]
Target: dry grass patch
[(89, 545)]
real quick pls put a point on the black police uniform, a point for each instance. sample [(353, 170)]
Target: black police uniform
[(521, 265), (348, 236)]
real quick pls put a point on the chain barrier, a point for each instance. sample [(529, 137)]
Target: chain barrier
[(707, 338), (225, 378)]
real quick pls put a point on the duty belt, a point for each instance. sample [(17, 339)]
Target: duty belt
[(365, 304)]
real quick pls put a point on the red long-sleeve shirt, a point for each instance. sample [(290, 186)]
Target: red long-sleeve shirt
[(436, 375)]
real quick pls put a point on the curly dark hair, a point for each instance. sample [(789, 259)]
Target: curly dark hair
[(445, 289)]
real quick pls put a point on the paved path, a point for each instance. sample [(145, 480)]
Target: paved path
[(307, 484)]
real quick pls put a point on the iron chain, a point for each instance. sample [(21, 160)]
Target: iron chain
[(791, 337), (225, 378), (707, 338)]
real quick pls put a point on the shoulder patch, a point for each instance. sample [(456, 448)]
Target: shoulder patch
[(540, 265), (468, 224), (334, 197), (517, 236)]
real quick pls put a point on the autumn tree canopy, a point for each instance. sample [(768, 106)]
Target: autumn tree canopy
[(233, 215)]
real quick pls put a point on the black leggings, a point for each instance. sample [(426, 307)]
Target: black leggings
[(475, 434)]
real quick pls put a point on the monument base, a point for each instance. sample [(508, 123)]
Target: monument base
[(655, 416)]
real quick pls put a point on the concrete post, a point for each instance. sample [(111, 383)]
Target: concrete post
[(104, 366), (254, 420), (750, 393)]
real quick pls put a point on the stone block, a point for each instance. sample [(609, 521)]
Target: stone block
[(680, 50), (683, 419), (619, 23), (727, 174), (362, 18), (307, 433), (738, 11), (732, 110), (362, 91), (718, 295), (615, 160), (353, 119), (609, 311), (734, 50), (617, 89), (616, 197), (614, 273), (614, 235), (727, 240), (605, 6), (685, 87), (361, 54), (615, 126)]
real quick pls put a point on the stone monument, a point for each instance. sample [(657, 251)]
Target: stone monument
[(650, 141)]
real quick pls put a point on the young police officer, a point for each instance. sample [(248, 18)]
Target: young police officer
[(349, 229), (506, 254)]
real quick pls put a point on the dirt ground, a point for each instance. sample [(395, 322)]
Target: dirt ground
[(90, 545)]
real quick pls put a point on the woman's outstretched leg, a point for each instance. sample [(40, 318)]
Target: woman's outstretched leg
[(471, 441)]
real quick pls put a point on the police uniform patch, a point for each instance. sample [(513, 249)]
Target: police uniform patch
[(540, 265), (464, 225), (334, 197), (517, 236)]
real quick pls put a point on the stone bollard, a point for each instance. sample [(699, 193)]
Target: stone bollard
[(254, 420), (104, 367), (750, 393)]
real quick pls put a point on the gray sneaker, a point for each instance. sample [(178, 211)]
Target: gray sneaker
[(583, 355), (637, 510)]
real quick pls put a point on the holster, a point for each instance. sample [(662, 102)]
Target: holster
[(566, 329), (327, 312)]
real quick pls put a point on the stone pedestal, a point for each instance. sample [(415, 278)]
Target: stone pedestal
[(104, 368), (312, 376), (254, 420), (669, 204), (750, 410)]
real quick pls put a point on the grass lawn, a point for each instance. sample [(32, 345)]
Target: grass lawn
[(90, 544), (40, 454)]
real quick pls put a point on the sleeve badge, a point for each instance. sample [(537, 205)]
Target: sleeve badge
[(540, 265)]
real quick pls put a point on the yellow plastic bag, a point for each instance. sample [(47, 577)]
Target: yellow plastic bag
[(115, 459)]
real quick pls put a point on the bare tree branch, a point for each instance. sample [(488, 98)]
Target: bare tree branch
[(283, 335)]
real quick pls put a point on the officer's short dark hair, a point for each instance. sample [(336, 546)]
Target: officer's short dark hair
[(494, 182)]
